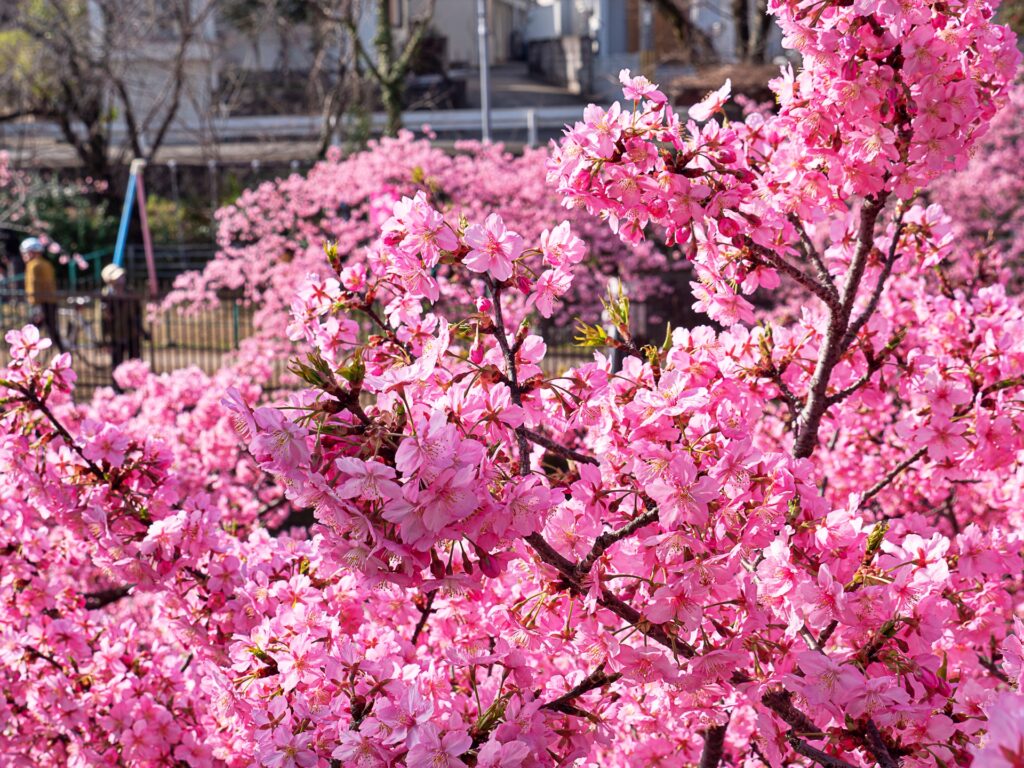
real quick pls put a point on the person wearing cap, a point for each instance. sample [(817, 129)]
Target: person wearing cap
[(123, 316), (41, 288)]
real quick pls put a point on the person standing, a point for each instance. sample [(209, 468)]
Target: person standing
[(41, 288), (123, 316)]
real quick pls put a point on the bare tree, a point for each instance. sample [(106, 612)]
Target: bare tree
[(389, 63), (757, 45), (79, 62), (694, 42), (751, 22)]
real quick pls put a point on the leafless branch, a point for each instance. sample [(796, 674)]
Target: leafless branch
[(714, 747), (561, 450), (425, 610), (767, 258), (96, 600), (892, 475), (876, 294), (605, 540), (823, 759), (876, 745), (595, 680), (811, 252), (831, 350)]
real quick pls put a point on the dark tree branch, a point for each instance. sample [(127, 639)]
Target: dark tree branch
[(875, 364), (824, 276), (767, 258), (876, 745), (607, 599), (561, 450), (876, 294), (694, 41), (714, 747), (891, 475), (781, 703), (823, 759), (568, 570), (994, 669), (831, 350), (596, 679), (96, 600), (608, 538), (425, 610)]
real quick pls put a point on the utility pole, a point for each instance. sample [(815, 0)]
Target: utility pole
[(647, 55), (485, 74)]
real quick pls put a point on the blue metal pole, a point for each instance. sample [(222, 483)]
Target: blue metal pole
[(126, 217)]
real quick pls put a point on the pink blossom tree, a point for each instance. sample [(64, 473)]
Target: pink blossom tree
[(986, 199), (274, 235), (791, 540)]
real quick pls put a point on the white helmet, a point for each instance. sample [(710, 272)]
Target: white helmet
[(32, 245)]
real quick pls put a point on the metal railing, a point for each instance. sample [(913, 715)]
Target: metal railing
[(530, 122)]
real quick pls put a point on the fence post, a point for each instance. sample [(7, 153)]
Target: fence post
[(531, 127), (234, 321)]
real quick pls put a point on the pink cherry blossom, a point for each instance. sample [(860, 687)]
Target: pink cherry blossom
[(492, 248)]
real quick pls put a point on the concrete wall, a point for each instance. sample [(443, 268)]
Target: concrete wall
[(564, 61), (456, 21)]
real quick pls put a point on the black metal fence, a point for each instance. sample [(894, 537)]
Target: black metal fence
[(101, 331)]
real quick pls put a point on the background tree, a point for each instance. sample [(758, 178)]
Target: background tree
[(74, 62), (750, 22), (696, 44), (389, 63), (1012, 13)]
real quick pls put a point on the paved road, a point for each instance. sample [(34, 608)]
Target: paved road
[(512, 86)]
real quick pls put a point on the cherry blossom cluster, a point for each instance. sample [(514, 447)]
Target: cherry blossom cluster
[(984, 199), (274, 235), (889, 97), (755, 595), (795, 541)]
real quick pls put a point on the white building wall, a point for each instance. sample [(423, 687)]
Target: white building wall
[(456, 20)]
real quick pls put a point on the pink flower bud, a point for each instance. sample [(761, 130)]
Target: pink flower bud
[(476, 353), (728, 227)]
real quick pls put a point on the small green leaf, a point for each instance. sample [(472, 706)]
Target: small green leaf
[(590, 335), (875, 539)]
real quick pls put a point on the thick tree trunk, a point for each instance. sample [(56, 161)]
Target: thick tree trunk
[(696, 45), (741, 26), (391, 98), (757, 51)]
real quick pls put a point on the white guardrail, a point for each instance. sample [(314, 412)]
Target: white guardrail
[(532, 120)]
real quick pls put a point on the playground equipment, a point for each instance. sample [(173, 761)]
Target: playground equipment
[(136, 192)]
